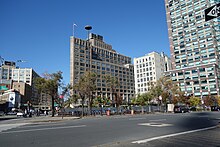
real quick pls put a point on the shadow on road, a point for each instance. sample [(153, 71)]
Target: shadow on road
[(198, 120)]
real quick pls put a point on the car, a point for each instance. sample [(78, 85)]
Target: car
[(11, 113), (193, 108), (181, 109), (2, 113), (215, 108)]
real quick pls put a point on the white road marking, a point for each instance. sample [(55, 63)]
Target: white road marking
[(158, 120), (155, 124), (42, 124), (136, 118), (43, 129), (4, 127), (172, 135)]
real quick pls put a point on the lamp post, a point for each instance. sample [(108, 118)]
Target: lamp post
[(160, 101), (88, 28)]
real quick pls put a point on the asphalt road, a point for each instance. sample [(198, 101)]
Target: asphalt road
[(126, 130)]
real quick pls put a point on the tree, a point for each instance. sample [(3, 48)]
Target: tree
[(49, 84), (71, 100), (218, 100), (180, 98), (99, 100), (142, 100), (156, 91), (113, 83), (85, 88), (169, 89), (210, 100), (194, 101)]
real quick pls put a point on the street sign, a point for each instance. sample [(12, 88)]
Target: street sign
[(212, 12)]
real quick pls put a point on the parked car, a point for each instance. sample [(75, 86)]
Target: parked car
[(215, 108), (2, 113), (20, 114), (193, 108), (11, 113), (181, 109)]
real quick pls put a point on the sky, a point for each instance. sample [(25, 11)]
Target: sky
[(38, 31)]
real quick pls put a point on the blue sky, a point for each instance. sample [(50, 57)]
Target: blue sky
[(39, 31)]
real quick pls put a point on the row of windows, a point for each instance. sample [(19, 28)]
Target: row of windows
[(194, 71), (145, 64), (198, 63), (146, 79), (145, 70), (144, 60), (194, 58)]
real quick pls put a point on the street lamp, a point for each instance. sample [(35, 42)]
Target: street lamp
[(88, 28), (160, 99)]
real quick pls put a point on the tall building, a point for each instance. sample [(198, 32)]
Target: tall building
[(99, 57), (6, 71), (24, 89), (5, 75), (194, 46), (26, 75), (148, 69)]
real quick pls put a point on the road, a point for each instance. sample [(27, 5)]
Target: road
[(126, 130)]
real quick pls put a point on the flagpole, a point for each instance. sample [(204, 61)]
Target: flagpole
[(74, 29)]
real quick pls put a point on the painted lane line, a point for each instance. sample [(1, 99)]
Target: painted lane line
[(172, 135), (40, 125), (159, 120), (136, 118), (43, 129), (155, 124)]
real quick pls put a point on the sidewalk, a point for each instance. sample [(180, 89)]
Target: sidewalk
[(34, 119), (9, 122)]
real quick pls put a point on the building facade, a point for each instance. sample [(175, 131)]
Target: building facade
[(24, 89), (148, 69), (6, 71), (97, 56), (194, 46), (26, 75), (9, 100)]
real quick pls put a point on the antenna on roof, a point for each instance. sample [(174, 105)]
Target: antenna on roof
[(2, 60)]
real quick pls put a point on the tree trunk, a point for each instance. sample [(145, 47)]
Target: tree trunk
[(90, 105), (116, 103), (82, 107), (53, 108)]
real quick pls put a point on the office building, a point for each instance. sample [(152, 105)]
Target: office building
[(97, 56), (148, 69), (194, 46), (26, 75), (24, 89), (6, 71)]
